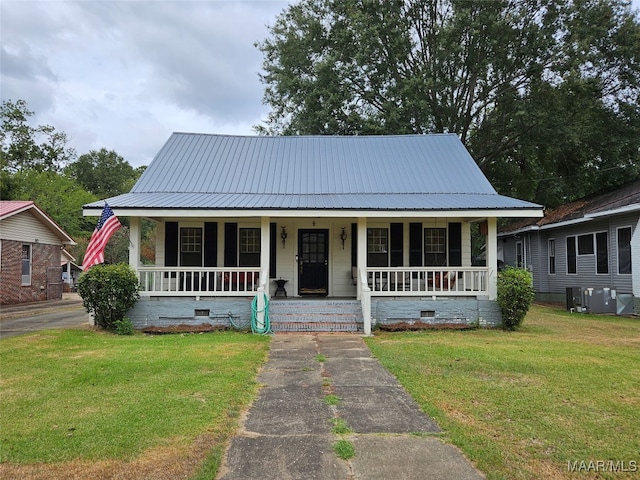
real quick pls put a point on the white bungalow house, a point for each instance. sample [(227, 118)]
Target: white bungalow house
[(377, 228)]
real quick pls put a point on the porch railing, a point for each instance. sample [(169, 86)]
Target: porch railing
[(185, 281), (410, 281)]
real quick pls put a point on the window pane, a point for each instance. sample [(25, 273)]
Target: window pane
[(435, 246), (585, 244), (552, 256), (602, 253), (191, 247), (519, 259), (249, 240), (26, 264), (377, 247), (624, 251), (377, 240), (571, 255)]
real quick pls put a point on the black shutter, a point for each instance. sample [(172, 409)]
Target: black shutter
[(273, 248), (171, 244), (210, 244), (230, 244), (455, 244), (396, 242), (354, 244), (415, 244)]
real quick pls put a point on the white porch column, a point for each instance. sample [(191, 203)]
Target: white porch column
[(492, 257), (263, 287), (265, 249), (365, 297), (134, 242), (362, 250)]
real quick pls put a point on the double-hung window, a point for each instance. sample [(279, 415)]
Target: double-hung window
[(191, 247), (552, 256), (624, 251), (377, 247), (435, 247), (249, 243)]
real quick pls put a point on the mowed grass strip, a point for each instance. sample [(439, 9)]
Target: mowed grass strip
[(91, 396), (527, 404)]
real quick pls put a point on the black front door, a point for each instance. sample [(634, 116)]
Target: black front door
[(313, 262)]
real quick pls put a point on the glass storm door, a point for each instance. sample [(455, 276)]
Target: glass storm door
[(313, 264)]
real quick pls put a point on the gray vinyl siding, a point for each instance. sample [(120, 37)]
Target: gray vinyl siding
[(585, 275)]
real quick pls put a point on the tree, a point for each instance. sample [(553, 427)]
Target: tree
[(103, 172), (23, 146), (484, 70), (61, 197)]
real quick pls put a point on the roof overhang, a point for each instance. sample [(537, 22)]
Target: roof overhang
[(588, 217), (318, 213)]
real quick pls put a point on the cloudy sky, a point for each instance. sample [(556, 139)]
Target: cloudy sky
[(123, 75)]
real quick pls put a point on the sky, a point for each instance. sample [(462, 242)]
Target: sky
[(123, 75)]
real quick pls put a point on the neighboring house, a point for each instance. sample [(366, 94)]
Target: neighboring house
[(585, 253), (381, 221), (30, 248), (70, 271)]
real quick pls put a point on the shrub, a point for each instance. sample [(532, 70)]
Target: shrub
[(108, 292), (124, 327), (515, 294)]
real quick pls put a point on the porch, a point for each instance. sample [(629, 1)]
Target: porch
[(381, 295), (238, 281)]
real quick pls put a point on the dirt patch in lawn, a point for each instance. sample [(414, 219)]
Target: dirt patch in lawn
[(417, 326), (161, 463), (184, 328)]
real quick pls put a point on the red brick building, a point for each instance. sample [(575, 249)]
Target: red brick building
[(31, 244)]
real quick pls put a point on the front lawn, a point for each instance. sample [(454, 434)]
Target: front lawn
[(557, 395), (134, 406)]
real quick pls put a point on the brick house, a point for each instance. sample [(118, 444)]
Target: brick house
[(30, 251)]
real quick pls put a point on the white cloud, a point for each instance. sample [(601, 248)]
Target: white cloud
[(123, 75)]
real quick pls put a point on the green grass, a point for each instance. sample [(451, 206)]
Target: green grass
[(332, 399), (344, 449), (523, 404), (340, 427), (320, 358), (78, 394)]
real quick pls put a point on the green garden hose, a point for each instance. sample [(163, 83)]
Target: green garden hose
[(261, 327)]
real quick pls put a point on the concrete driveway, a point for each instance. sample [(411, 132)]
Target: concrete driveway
[(65, 313)]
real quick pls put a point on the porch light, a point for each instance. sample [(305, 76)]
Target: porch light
[(283, 235), (343, 236)]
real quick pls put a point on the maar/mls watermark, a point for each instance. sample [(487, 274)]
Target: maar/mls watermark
[(609, 466)]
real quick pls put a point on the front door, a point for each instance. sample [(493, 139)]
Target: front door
[(313, 262)]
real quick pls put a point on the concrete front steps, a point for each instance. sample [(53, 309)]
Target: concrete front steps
[(315, 315)]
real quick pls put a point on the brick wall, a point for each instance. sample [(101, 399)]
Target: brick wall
[(43, 257)]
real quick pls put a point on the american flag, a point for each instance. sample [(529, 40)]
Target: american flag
[(107, 224)]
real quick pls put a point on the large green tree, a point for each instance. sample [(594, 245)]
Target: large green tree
[(60, 196), (103, 172), (24, 146), (541, 89)]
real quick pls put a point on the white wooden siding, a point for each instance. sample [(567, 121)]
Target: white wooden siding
[(24, 227)]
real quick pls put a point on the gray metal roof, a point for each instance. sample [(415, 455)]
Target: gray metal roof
[(404, 172)]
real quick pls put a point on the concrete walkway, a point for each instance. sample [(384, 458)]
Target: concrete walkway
[(287, 433)]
